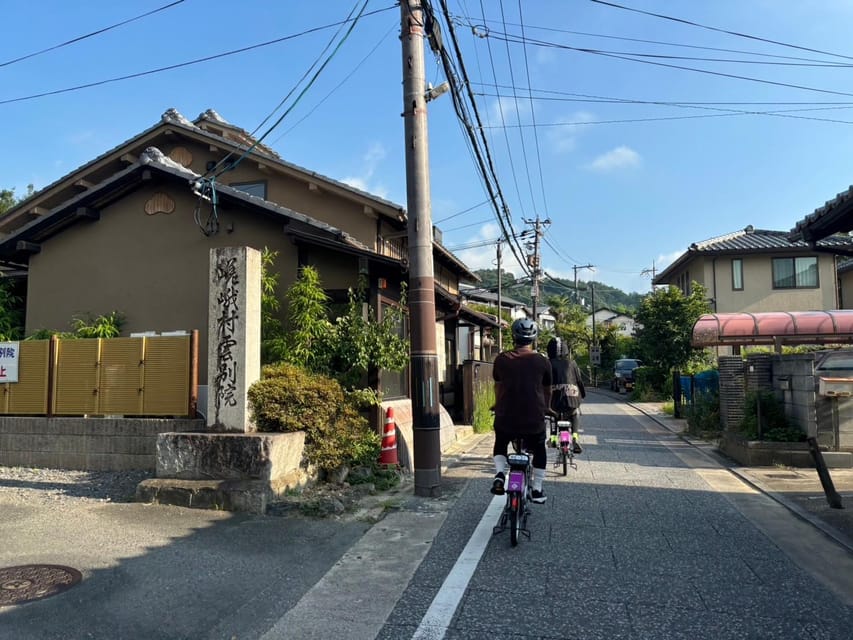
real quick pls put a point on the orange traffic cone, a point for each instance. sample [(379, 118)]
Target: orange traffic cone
[(388, 455)]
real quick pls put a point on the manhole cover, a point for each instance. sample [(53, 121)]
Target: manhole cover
[(35, 581)]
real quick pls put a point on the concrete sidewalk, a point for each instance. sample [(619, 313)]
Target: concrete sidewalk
[(798, 489)]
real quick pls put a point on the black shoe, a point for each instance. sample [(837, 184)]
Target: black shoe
[(538, 497), (498, 484), (576, 447)]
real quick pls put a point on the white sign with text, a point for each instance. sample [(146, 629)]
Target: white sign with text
[(9, 361)]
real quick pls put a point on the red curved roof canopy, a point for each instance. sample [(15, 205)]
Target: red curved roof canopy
[(775, 327)]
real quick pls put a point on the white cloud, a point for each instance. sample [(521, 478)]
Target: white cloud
[(485, 257), (664, 260), (564, 137), (506, 111), (619, 158), (374, 155)]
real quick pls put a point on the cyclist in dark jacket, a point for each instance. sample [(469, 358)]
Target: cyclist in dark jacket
[(522, 391), (567, 391)]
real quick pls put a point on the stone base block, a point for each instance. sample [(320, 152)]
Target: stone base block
[(229, 456), (228, 471), (249, 496)]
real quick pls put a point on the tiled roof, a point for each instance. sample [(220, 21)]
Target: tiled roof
[(834, 216), (750, 239)]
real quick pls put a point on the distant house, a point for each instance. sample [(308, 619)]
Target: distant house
[(755, 270), (834, 217), (605, 317), (129, 231)]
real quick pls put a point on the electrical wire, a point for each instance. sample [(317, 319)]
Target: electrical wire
[(459, 213), (510, 156), (483, 157), (305, 89), (518, 116), (617, 56), (349, 76), (533, 118), (224, 161), (89, 35), (717, 29), (476, 27), (188, 63)]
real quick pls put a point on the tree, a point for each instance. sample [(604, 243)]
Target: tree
[(8, 199), (665, 326)]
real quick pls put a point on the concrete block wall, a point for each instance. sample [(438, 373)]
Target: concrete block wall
[(794, 379), (87, 444)]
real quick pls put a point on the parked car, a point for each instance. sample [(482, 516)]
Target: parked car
[(623, 374)]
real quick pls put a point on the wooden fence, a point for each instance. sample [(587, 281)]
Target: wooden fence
[(146, 376)]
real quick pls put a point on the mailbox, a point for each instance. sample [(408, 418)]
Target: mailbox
[(835, 387)]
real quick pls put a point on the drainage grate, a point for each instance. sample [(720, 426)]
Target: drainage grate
[(35, 581), (783, 476)]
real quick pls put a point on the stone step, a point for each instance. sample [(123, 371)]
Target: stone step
[(249, 496)]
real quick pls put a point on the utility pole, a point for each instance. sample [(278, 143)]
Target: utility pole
[(500, 318), (575, 269), (651, 271), (534, 261), (426, 419)]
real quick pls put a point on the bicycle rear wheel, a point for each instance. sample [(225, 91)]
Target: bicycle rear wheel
[(564, 454), (514, 518)]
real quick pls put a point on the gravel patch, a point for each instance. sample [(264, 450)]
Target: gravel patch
[(23, 485)]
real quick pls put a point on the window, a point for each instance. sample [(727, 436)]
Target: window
[(795, 273), (258, 189), (737, 274), (394, 384)]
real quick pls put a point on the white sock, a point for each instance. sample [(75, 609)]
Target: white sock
[(500, 464), (538, 479)]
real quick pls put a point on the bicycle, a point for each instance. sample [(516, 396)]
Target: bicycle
[(518, 492), (561, 437)]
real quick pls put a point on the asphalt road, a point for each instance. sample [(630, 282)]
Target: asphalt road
[(650, 537)]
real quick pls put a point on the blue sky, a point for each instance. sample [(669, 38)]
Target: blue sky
[(624, 189)]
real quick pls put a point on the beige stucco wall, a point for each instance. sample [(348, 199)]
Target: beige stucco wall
[(758, 294), (294, 194), (153, 268)]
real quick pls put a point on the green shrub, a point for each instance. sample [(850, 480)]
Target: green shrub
[(103, 326), (774, 422), (484, 400), (288, 398), (703, 416)]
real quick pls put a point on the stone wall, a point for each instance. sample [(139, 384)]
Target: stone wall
[(88, 444)]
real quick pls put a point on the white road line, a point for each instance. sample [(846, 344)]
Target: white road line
[(440, 613)]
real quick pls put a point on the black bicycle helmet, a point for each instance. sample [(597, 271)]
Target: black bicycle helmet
[(524, 331)]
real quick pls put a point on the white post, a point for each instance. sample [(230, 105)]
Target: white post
[(234, 336)]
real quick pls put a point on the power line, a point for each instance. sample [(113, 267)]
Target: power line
[(89, 35), (184, 64), (618, 56), (349, 76), (459, 213), (223, 163), (717, 29), (510, 156), (479, 30), (533, 118), (483, 157)]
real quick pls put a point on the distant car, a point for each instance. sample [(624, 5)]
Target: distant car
[(623, 374)]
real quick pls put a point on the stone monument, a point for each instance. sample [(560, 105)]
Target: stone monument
[(229, 466)]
